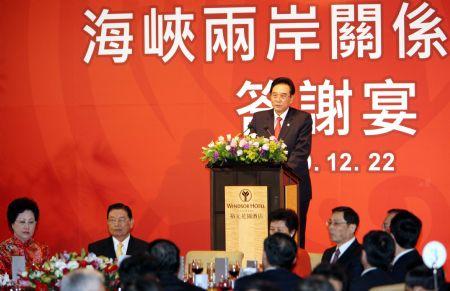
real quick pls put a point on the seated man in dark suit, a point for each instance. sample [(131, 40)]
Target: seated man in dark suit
[(279, 255), (166, 260), (422, 279), (377, 254), (120, 243), (347, 253), (405, 229)]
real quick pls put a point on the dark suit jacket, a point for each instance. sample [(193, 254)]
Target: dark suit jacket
[(296, 134), (172, 283), (406, 263), (281, 278), (373, 278), (105, 247), (350, 260)]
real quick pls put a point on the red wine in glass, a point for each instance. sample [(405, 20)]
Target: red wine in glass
[(197, 269)]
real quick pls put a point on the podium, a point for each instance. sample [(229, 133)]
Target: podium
[(281, 183)]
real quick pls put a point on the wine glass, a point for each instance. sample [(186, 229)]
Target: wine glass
[(233, 270), (197, 266), (210, 269)]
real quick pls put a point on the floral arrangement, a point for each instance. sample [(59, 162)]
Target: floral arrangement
[(244, 149), (5, 281), (49, 274)]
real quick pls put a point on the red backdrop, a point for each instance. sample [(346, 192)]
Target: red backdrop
[(78, 136)]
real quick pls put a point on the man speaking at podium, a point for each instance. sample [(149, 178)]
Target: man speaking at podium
[(294, 127)]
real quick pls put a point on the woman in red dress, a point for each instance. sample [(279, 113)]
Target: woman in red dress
[(286, 221), (23, 215)]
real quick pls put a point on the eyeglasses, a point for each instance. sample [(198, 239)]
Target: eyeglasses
[(282, 96), (24, 222), (121, 220), (329, 222)]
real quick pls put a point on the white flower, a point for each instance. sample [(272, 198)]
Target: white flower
[(221, 138), (256, 144), (265, 147), (211, 144), (272, 137), (285, 152), (233, 143), (242, 143), (228, 148), (239, 153), (89, 267), (253, 135), (228, 137), (283, 146), (60, 265), (73, 265)]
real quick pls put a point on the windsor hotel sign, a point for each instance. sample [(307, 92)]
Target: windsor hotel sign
[(246, 220)]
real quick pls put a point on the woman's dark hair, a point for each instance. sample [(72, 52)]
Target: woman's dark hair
[(20, 205), (288, 216)]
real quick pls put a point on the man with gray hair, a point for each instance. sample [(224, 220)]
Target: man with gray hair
[(83, 279)]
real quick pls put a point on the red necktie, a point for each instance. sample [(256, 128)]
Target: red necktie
[(278, 127)]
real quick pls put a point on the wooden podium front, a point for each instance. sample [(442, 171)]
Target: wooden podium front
[(280, 185)]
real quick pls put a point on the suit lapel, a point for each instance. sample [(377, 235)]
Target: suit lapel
[(130, 246), (348, 253), (269, 124), (286, 124), (111, 251)]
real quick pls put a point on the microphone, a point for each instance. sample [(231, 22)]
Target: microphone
[(249, 128)]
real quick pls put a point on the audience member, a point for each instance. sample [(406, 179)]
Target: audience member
[(279, 255), (147, 283), (83, 279), (405, 229), (286, 221), (333, 273), (120, 243), (342, 226), (377, 254), (166, 257), (23, 216), (135, 267), (422, 279), (314, 283), (386, 226), (259, 285)]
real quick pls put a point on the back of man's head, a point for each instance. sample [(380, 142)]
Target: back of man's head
[(315, 283), (350, 215), (422, 277), (166, 256), (379, 249), (280, 250), (83, 279), (135, 267), (406, 227), (334, 273)]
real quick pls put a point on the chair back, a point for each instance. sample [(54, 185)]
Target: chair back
[(315, 258)]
